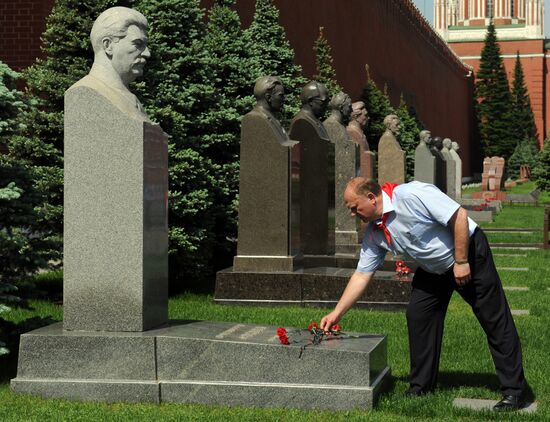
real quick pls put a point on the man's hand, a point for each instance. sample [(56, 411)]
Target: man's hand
[(462, 274), (329, 320), (354, 290)]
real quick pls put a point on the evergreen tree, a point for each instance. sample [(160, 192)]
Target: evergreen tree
[(274, 56), (525, 153), (20, 250), (324, 71), (39, 144), (408, 136), (176, 91), (494, 100), (523, 119), (378, 106), (541, 172), (234, 73)]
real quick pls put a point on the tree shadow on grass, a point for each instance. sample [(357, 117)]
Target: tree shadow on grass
[(450, 380)]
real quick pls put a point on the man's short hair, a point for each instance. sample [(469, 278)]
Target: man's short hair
[(265, 84), (114, 23), (363, 186), (425, 136), (338, 100), (311, 90)]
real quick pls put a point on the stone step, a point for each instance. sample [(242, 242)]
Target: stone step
[(204, 362)]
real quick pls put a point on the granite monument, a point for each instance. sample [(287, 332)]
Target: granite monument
[(424, 160), (356, 126), (346, 168), (316, 172), (391, 158), (269, 175)]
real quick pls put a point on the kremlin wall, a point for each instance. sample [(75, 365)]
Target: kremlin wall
[(402, 49)]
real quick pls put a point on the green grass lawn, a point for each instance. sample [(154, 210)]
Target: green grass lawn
[(466, 366)]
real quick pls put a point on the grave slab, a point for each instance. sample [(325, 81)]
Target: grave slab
[(516, 288), (480, 404), (203, 362), (319, 286), (520, 311)]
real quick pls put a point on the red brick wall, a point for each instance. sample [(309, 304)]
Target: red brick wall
[(401, 50), (534, 66), (21, 25)]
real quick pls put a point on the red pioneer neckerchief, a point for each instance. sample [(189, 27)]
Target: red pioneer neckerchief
[(388, 188)]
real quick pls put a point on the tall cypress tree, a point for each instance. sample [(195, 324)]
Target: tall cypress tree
[(523, 119), (494, 101), (378, 106), (324, 70), (274, 55)]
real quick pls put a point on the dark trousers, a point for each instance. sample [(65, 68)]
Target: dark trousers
[(426, 311)]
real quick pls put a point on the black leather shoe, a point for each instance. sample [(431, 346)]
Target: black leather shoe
[(508, 403), (415, 393)]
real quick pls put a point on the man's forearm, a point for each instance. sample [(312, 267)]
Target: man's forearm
[(459, 226), (354, 290)]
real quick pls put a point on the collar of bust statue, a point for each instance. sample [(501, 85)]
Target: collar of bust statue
[(111, 78)]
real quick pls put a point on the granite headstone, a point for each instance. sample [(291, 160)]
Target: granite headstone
[(358, 121), (458, 168), (391, 158), (316, 172), (346, 166), (424, 160), (269, 185), (440, 164), (450, 166)]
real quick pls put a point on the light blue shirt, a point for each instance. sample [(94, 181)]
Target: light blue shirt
[(418, 219)]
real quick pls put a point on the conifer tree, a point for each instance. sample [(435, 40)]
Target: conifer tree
[(39, 143), (408, 136), (378, 106), (523, 120), (324, 70), (177, 92), (525, 153), (541, 172), (274, 55), (494, 100)]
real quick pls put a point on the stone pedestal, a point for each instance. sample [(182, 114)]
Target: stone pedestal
[(203, 362), (317, 286), (316, 185), (346, 168), (268, 197), (440, 169), (367, 158), (450, 173), (458, 174), (424, 164), (115, 217), (391, 160)]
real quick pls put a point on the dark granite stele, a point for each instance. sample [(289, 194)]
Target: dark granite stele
[(204, 362), (319, 286)]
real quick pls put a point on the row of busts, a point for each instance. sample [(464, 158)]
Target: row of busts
[(437, 143)]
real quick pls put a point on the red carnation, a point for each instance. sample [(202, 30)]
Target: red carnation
[(284, 339), (312, 325), (336, 328), (281, 331)]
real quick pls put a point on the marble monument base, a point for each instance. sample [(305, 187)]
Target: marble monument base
[(203, 362), (317, 286)]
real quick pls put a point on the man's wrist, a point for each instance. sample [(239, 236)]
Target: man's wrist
[(461, 261)]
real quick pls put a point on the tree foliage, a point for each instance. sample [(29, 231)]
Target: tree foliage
[(523, 119), (324, 70), (408, 136), (494, 101), (378, 106), (274, 55), (541, 172)]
